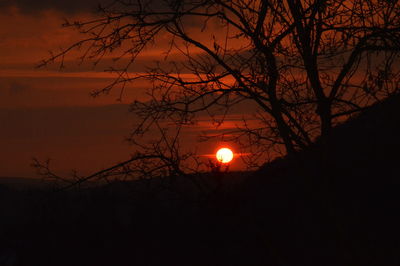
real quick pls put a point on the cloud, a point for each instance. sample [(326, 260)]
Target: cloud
[(66, 6), (39, 92), (16, 88), (74, 6)]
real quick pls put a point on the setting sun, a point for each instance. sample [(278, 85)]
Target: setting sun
[(224, 155)]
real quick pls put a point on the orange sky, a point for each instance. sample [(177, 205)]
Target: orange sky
[(47, 113)]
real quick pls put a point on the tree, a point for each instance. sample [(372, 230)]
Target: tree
[(307, 64)]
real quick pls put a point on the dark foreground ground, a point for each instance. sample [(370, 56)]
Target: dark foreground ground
[(331, 205)]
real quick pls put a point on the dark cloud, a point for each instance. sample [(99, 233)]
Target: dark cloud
[(71, 6), (77, 6), (16, 88), (67, 6)]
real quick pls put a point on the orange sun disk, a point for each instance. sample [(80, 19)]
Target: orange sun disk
[(224, 155)]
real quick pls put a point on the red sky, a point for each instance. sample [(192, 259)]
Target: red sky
[(48, 113)]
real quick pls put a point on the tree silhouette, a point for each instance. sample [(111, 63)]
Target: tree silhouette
[(307, 65)]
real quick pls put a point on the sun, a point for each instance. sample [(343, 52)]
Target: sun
[(224, 155)]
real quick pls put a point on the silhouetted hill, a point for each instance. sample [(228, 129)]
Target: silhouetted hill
[(332, 204), (336, 203), (22, 182)]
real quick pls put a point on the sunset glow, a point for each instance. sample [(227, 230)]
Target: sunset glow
[(224, 155)]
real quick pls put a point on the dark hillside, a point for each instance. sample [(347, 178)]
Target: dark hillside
[(335, 204)]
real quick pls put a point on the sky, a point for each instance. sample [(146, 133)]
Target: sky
[(48, 113)]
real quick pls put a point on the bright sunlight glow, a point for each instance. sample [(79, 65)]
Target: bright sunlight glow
[(224, 155)]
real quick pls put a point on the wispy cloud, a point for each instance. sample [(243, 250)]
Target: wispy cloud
[(67, 6)]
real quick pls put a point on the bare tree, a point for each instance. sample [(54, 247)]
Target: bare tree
[(306, 64), (159, 159)]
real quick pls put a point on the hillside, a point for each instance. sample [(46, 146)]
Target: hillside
[(336, 204), (333, 204)]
